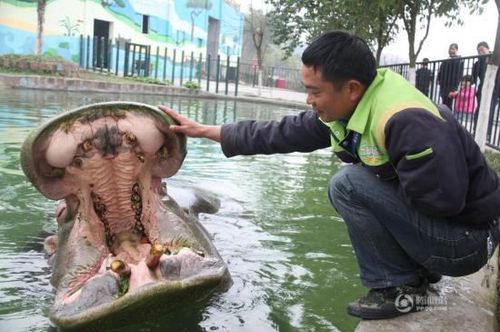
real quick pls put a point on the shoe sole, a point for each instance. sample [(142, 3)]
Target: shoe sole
[(368, 314)]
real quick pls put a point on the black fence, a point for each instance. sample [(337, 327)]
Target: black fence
[(457, 82)]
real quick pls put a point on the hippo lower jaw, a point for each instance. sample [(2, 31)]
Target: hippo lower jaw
[(122, 241)]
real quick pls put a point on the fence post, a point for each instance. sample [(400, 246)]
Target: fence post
[(217, 73), (87, 55), (101, 53), (165, 65), (182, 66), (117, 56), (133, 61), (237, 76), (81, 62), (173, 66), (227, 75), (208, 71), (191, 67), (109, 58), (199, 70), (94, 53), (156, 65)]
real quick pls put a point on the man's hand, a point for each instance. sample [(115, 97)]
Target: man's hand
[(452, 94), (191, 128)]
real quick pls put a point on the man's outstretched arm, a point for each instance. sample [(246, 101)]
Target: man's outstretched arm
[(191, 128)]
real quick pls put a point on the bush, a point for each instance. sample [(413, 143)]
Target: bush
[(192, 85)]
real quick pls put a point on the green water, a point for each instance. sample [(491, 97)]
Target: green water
[(287, 250)]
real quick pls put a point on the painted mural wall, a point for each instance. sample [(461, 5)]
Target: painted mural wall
[(189, 25)]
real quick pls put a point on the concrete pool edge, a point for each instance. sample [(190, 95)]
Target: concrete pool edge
[(470, 304), (39, 82)]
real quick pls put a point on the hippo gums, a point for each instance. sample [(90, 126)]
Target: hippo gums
[(123, 244)]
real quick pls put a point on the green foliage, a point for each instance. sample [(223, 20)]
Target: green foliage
[(493, 159), (124, 285), (192, 85), (75, 58), (294, 21), (64, 45), (51, 52), (150, 80)]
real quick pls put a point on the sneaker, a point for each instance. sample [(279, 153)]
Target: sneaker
[(388, 302), (432, 277)]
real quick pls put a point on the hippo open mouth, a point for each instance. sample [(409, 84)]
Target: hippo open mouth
[(122, 242)]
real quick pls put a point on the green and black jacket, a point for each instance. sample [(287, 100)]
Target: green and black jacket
[(400, 135)]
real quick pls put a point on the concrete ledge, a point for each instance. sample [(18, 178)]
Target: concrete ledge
[(80, 85), (470, 306)]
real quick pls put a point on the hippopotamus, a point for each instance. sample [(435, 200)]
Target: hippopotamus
[(123, 244)]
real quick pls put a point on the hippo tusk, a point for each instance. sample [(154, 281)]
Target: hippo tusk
[(121, 268), (154, 256)]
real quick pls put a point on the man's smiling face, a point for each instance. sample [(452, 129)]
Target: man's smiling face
[(330, 101)]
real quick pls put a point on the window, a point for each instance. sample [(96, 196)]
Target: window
[(145, 23)]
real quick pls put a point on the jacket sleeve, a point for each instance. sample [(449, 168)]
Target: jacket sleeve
[(428, 156), (296, 133)]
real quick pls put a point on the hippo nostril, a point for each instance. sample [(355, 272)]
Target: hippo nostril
[(87, 146), (130, 138), (78, 162), (163, 153)]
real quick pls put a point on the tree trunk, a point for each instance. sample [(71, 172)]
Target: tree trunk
[(487, 90), (40, 20)]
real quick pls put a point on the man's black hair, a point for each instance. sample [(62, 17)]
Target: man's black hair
[(341, 56)]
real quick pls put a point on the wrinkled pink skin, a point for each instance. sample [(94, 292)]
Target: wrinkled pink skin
[(100, 159)]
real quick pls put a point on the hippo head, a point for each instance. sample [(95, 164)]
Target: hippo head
[(122, 242)]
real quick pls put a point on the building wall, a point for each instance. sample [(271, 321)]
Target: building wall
[(180, 24)]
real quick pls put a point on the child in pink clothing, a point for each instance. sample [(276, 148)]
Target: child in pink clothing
[(465, 97)]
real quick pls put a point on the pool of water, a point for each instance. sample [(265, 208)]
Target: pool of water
[(287, 250)]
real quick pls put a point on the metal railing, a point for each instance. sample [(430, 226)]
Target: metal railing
[(436, 79)]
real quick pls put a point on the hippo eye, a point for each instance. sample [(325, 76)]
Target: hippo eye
[(87, 145), (130, 138)]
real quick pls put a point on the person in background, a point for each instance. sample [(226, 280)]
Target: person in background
[(449, 75), (417, 197), (465, 98), (424, 77), (478, 72)]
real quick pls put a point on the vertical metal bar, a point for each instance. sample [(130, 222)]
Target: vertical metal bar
[(94, 53), (101, 53), (133, 61), (208, 72), (227, 75), (117, 56), (87, 54), (81, 52), (157, 58), (109, 55), (191, 67), (237, 76), (148, 60), (217, 72), (199, 70), (173, 66), (165, 65), (182, 66)]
